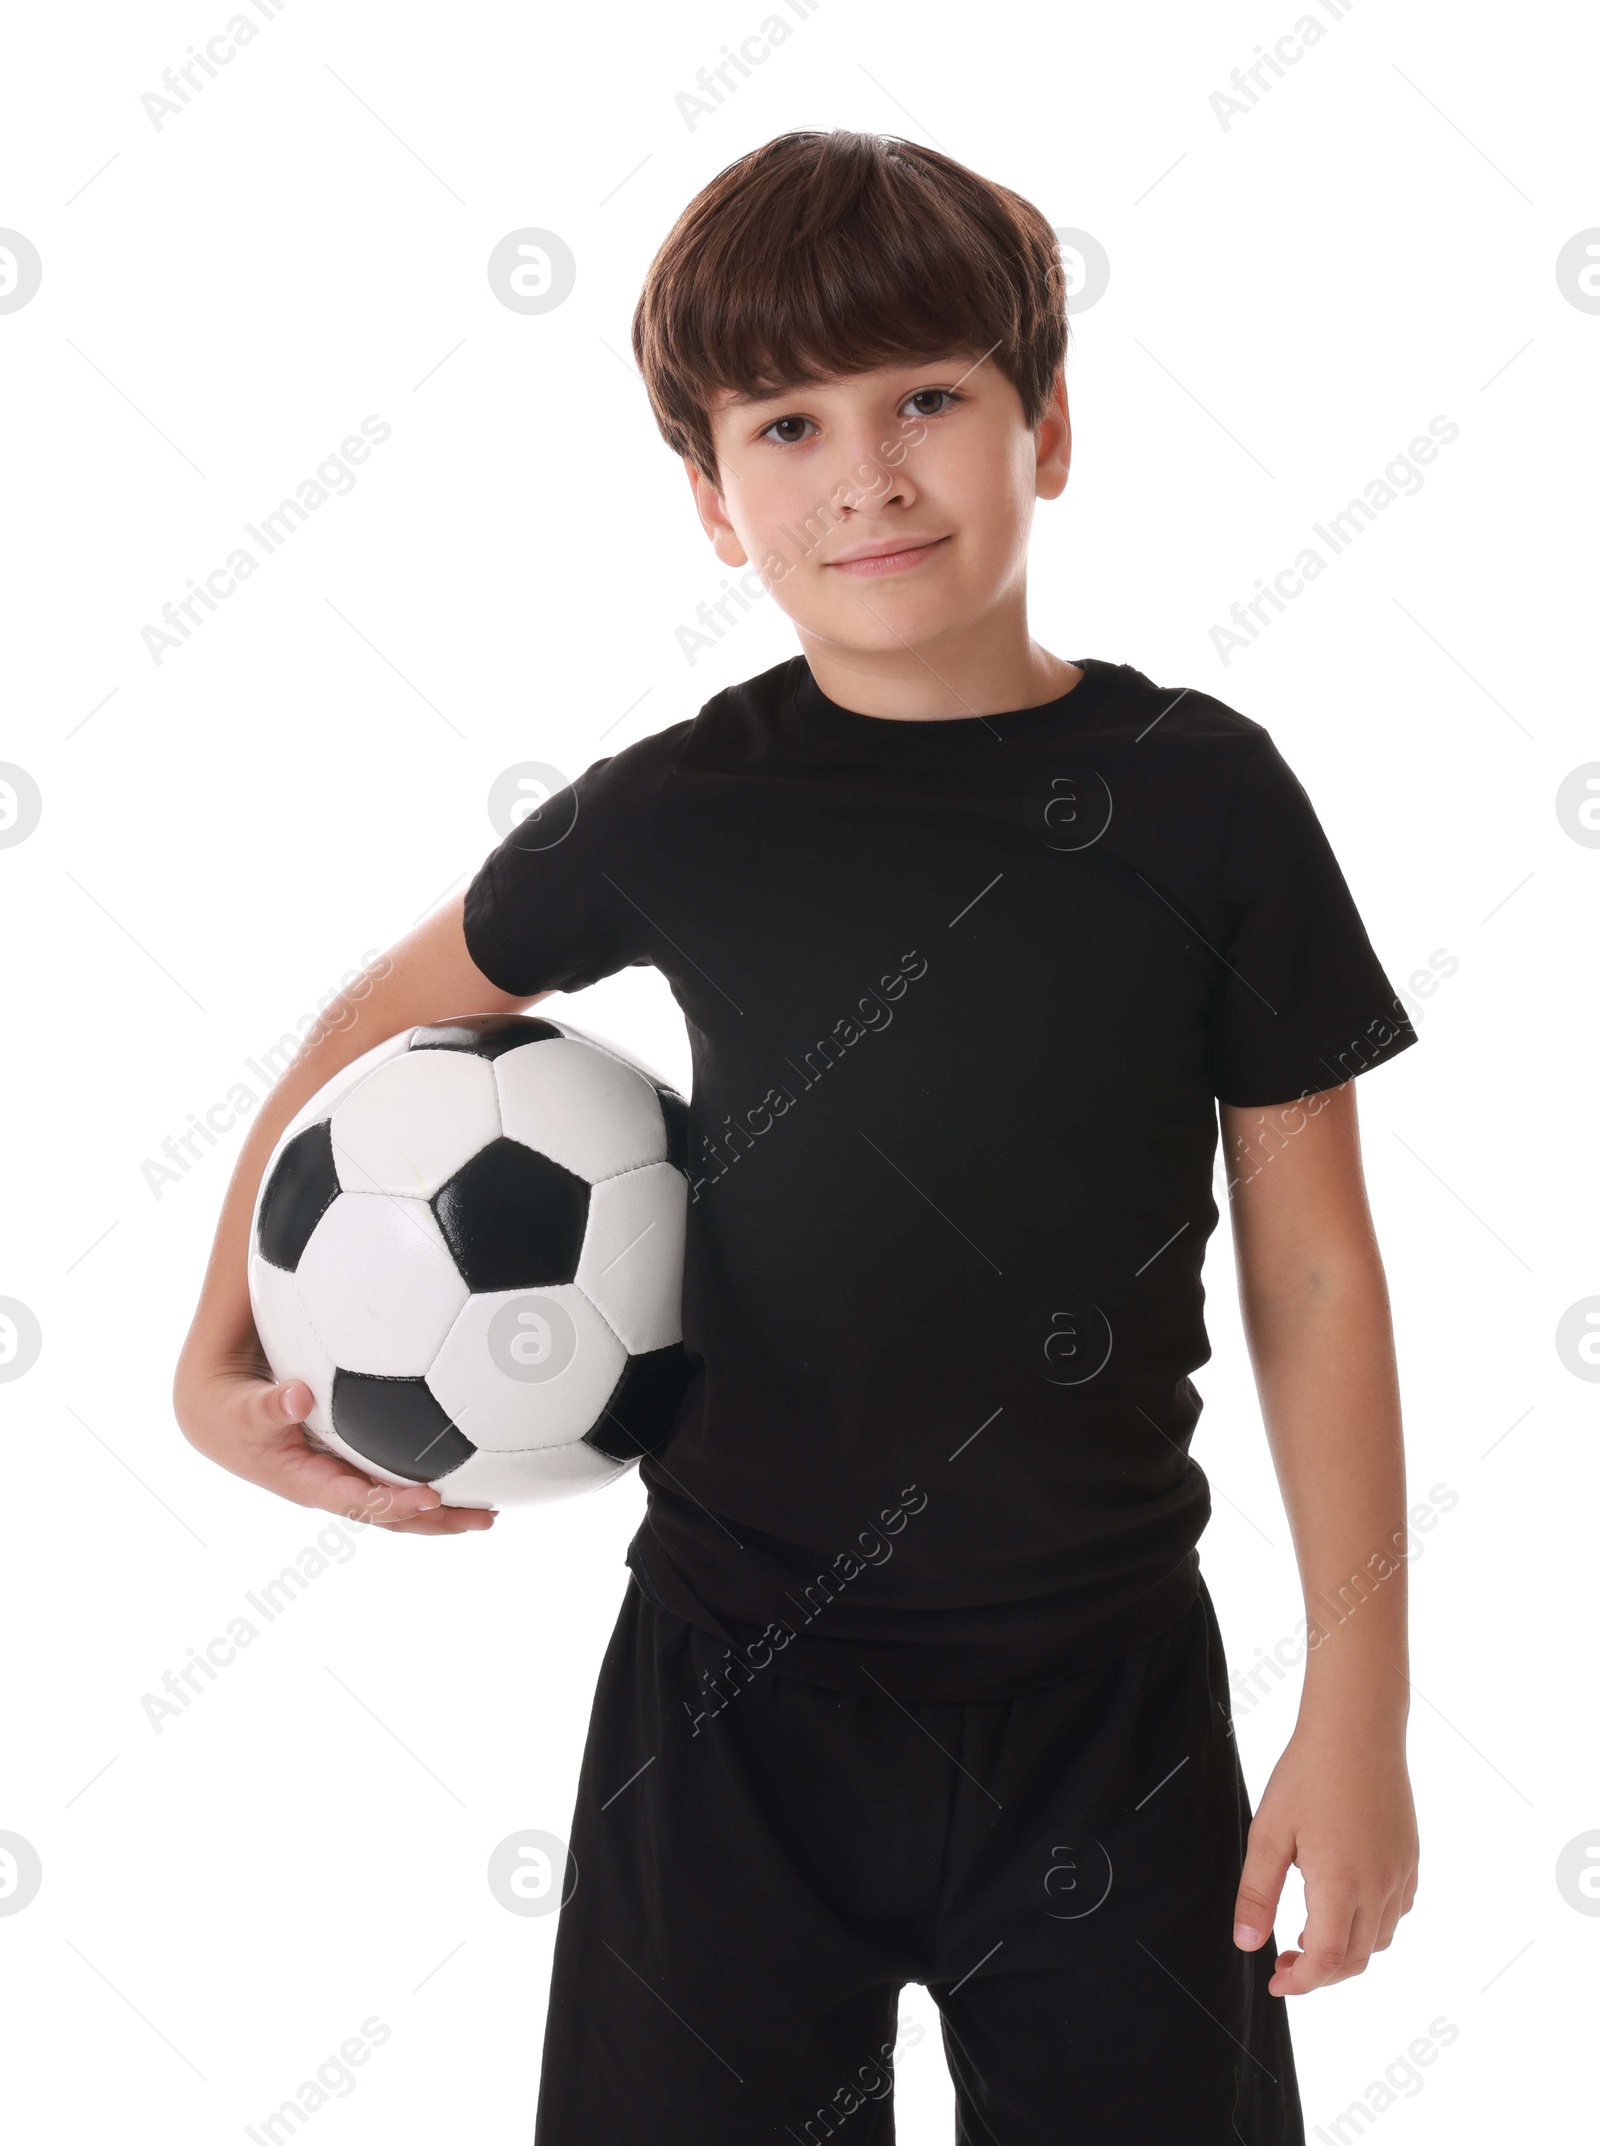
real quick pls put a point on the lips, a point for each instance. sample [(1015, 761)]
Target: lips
[(894, 558)]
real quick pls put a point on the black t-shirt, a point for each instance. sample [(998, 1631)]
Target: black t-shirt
[(961, 994)]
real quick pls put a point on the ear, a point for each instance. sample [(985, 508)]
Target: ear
[(1053, 435), (713, 515)]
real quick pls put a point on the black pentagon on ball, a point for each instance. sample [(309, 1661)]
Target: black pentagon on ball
[(397, 1424), (485, 1035), (304, 1184), (639, 1418), (513, 1219), (676, 1112)]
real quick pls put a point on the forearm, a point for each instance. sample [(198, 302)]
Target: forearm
[(427, 976), (1323, 1351), (222, 1332)]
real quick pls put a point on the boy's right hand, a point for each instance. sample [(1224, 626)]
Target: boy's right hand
[(227, 1403), (255, 1428)]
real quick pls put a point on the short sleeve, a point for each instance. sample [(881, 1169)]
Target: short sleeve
[(1302, 1002), (546, 910)]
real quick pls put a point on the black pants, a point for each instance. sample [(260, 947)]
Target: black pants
[(755, 1885)]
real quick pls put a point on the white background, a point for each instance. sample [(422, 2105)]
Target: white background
[(1292, 299)]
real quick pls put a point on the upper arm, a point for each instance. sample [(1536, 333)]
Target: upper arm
[(429, 976), (1296, 1191)]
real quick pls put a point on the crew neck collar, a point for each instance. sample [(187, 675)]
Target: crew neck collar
[(954, 734)]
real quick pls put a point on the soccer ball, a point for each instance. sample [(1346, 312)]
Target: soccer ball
[(469, 1245)]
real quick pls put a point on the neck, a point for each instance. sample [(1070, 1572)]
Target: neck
[(971, 672)]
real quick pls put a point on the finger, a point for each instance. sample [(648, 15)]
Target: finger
[(444, 1520), (309, 1476), (1266, 1865), (1358, 1950), (1388, 1922), (1331, 1914)]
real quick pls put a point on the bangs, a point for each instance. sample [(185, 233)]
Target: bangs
[(827, 254)]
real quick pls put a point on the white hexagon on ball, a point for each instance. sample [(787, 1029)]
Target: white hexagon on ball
[(385, 1287), (502, 1413), (580, 1106), (632, 1259), (414, 1123)]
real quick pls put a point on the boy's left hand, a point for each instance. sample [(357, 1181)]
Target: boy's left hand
[(1339, 1806)]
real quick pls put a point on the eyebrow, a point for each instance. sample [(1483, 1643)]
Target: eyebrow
[(788, 388)]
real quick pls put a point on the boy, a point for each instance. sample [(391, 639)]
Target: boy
[(916, 1678)]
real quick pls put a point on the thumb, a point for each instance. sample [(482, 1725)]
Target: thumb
[(291, 1402), (1266, 1865)]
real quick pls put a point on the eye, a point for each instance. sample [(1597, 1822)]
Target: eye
[(925, 395), (778, 426)]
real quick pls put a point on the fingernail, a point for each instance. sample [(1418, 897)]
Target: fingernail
[(1244, 1936)]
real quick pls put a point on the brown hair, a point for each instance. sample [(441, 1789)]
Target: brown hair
[(832, 253)]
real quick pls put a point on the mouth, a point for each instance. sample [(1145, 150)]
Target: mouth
[(897, 560)]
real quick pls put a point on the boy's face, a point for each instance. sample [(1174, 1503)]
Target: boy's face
[(885, 510)]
